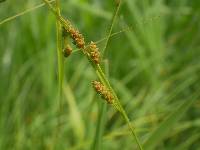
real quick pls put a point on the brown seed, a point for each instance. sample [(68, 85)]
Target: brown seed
[(67, 50)]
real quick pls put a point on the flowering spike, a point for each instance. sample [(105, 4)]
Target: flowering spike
[(94, 52), (77, 37), (103, 91)]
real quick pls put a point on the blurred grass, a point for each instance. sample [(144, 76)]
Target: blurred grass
[(154, 68)]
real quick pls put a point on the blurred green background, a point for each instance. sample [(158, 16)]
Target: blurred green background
[(154, 68)]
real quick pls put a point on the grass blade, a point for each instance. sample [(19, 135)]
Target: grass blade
[(74, 113), (23, 13), (100, 127), (160, 133)]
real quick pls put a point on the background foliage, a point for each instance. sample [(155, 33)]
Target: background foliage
[(154, 67)]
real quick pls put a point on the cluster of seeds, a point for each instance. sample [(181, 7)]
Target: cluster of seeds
[(103, 91), (78, 40), (77, 37), (94, 52)]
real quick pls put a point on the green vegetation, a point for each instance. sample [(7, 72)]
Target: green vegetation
[(151, 60)]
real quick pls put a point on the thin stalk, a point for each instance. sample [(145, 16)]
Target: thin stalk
[(111, 26), (23, 13), (132, 129), (102, 107), (59, 54), (117, 105), (60, 62), (97, 144)]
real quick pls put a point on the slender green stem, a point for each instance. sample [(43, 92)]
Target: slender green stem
[(111, 27), (119, 107), (23, 13), (132, 129), (97, 144), (102, 78), (60, 61), (60, 70), (59, 53)]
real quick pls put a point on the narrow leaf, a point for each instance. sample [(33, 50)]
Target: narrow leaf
[(161, 132)]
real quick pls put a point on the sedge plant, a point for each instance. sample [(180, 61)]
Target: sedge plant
[(91, 51), (162, 81)]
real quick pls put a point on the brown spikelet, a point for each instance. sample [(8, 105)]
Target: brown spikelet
[(94, 53), (77, 37), (103, 91), (67, 50)]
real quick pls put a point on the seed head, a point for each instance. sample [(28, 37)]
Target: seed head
[(77, 37), (103, 91), (94, 53)]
